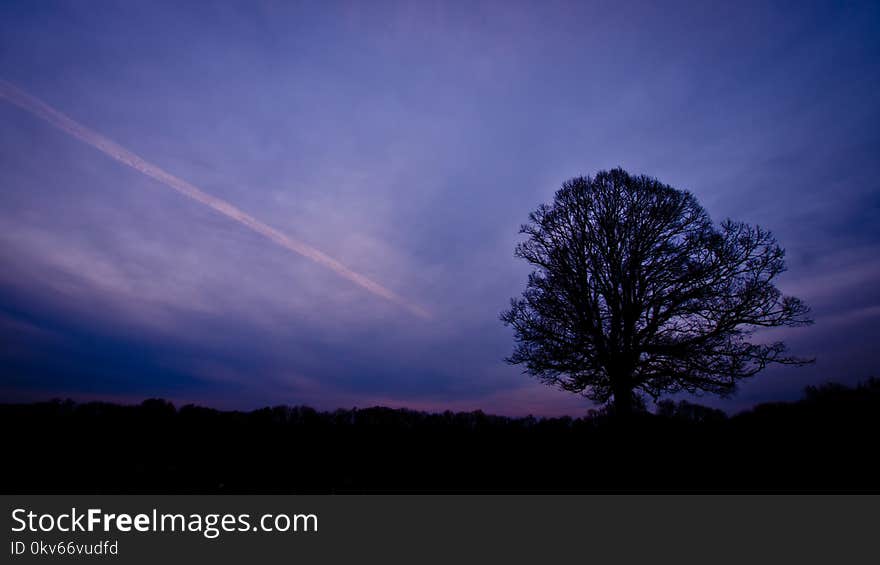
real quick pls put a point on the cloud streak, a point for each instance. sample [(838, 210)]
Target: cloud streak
[(43, 111)]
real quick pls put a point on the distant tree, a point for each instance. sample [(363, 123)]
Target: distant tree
[(636, 291), (666, 408), (690, 412)]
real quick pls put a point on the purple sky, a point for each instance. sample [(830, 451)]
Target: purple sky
[(407, 141)]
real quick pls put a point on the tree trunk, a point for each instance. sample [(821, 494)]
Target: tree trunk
[(623, 404)]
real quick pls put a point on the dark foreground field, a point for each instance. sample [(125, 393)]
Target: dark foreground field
[(826, 441)]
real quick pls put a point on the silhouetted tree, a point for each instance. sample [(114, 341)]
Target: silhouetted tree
[(689, 411), (635, 290)]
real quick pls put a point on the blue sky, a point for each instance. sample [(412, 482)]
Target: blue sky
[(408, 141)]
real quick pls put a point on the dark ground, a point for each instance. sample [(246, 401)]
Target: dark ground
[(825, 442)]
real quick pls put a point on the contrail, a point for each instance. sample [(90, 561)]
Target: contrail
[(40, 109)]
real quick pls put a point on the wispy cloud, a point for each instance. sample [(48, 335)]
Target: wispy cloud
[(40, 109)]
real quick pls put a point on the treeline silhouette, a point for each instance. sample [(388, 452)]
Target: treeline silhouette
[(825, 441)]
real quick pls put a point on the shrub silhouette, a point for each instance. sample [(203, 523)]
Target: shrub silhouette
[(825, 441)]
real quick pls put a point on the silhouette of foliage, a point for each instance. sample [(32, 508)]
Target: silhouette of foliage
[(689, 411), (825, 441), (636, 291)]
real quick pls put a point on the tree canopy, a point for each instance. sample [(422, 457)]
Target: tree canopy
[(636, 291)]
